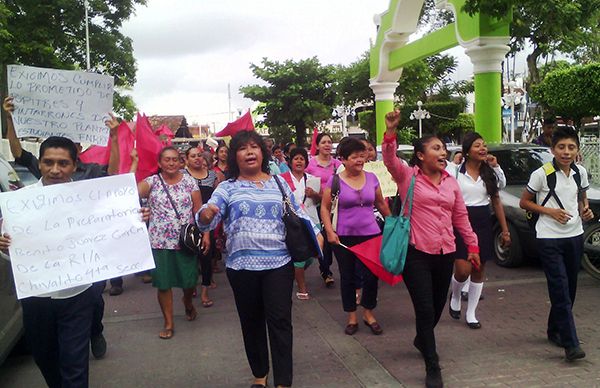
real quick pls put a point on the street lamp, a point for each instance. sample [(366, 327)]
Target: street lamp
[(511, 99), (420, 114), (342, 112)]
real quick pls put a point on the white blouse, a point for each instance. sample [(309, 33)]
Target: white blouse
[(474, 191)]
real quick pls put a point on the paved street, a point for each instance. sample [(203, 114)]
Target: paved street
[(510, 349)]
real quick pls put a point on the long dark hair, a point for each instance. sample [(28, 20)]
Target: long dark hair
[(240, 139), (487, 174), (419, 146)]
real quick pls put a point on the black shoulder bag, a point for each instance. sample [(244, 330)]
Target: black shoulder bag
[(300, 239), (190, 238)]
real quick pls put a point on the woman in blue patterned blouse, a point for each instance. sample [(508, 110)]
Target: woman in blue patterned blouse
[(259, 267)]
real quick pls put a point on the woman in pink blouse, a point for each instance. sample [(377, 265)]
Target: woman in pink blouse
[(438, 207)]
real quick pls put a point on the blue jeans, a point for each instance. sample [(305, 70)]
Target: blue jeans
[(561, 259)]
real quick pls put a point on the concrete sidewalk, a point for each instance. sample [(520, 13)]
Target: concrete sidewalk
[(510, 349)]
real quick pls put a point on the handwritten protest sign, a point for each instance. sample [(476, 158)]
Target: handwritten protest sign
[(67, 103), (388, 186), (75, 233)]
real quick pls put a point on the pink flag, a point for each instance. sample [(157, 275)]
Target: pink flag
[(165, 134), (368, 253), (126, 139), (244, 123), (148, 147), (96, 154), (313, 143)]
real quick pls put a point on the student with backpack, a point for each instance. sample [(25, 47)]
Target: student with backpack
[(557, 193)]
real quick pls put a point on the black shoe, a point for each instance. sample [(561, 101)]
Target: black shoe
[(351, 328), (115, 290), (329, 282), (258, 386), (574, 353), (433, 378), (555, 339), (98, 344), (455, 314), (474, 325)]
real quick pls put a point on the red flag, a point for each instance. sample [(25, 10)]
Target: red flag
[(368, 253), (96, 154), (165, 134), (148, 147), (126, 139), (244, 123), (313, 143)]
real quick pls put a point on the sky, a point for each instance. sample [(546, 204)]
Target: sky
[(188, 51)]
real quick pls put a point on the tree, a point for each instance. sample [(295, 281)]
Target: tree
[(571, 92), (297, 94), (549, 26), (352, 81), (52, 34)]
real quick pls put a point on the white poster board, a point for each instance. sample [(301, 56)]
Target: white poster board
[(50, 102), (75, 233), (388, 186)]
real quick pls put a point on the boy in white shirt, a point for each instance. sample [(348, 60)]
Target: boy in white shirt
[(559, 233)]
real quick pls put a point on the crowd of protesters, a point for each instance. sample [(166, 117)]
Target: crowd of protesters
[(234, 195)]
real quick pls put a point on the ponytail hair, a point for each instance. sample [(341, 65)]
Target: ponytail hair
[(419, 146), (487, 174)]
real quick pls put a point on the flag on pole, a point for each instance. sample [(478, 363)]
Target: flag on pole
[(165, 134), (96, 154), (126, 139), (313, 143), (368, 253), (244, 123), (148, 147)]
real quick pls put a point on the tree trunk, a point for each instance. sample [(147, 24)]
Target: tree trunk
[(534, 73), (300, 134)]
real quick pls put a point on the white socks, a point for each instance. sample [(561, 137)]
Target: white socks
[(474, 294), (456, 288)]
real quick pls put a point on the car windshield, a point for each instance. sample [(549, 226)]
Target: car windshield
[(518, 164)]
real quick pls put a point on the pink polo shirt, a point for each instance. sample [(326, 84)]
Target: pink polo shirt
[(436, 208), (323, 172)]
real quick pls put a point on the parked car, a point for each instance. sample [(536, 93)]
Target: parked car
[(518, 162), (11, 314)]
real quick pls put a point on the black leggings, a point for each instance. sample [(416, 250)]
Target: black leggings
[(348, 264), (427, 278)]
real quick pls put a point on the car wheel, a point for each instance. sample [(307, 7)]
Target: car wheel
[(591, 250), (511, 256)]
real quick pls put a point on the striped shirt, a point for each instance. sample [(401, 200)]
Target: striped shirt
[(252, 220)]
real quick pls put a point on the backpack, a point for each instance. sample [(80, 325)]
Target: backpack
[(550, 170)]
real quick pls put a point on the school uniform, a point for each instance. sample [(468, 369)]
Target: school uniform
[(560, 249)]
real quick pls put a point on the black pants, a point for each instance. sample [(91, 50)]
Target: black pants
[(264, 300), (206, 269), (98, 314), (561, 259), (58, 333), (427, 278), (326, 261), (348, 264)]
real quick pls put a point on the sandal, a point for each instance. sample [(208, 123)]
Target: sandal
[(166, 334), (191, 314), (302, 295), (207, 303)]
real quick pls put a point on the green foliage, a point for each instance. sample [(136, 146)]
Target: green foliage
[(366, 120), (440, 112), (406, 135), (124, 106), (352, 81), (282, 134), (572, 92), (297, 94), (464, 122), (550, 25), (52, 34)]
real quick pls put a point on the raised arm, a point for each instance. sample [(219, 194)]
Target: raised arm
[(113, 161), (388, 148), (13, 140)]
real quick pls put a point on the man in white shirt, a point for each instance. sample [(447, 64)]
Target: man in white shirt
[(57, 324), (559, 233)]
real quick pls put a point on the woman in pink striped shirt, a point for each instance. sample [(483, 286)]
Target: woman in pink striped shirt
[(438, 207)]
